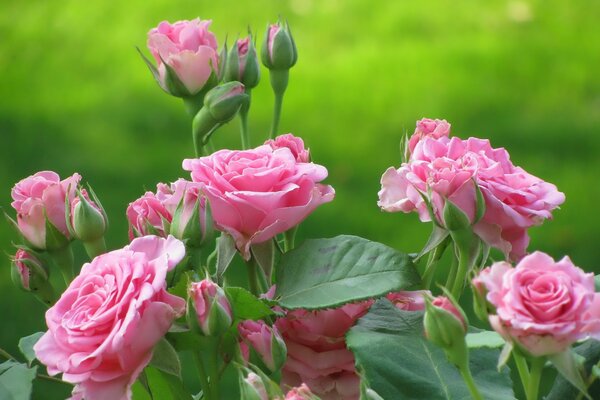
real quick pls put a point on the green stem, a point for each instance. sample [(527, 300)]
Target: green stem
[(63, 258), (213, 368), (193, 104), (95, 248), (468, 378), (53, 379), (289, 238), (6, 354), (432, 261), (535, 375), (459, 279), (252, 268), (279, 81), (522, 368), (244, 121), (203, 377), (452, 273)]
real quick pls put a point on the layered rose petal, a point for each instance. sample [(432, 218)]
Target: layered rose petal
[(542, 305), (259, 193), (102, 330)]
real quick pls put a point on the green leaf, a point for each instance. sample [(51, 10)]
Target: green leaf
[(165, 358), (597, 282), (563, 389), (484, 339), (325, 273), (225, 252), (437, 236), (399, 363), (164, 386), (246, 305), (16, 380), (570, 369), (264, 253), (26, 344)]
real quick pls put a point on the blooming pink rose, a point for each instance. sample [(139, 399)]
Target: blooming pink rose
[(542, 305), (212, 307), (39, 196), (189, 48), (294, 143), (449, 169), (301, 392), (102, 330), (444, 303), (409, 301), (266, 342), (256, 194), (435, 128), (317, 353), (148, 216)]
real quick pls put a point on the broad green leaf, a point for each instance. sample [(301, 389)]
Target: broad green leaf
[(399, 363), (165, 358), (570, 368), (325, 273), (264, 253), (437, 236), (26, 344), (16, 380), (164, 386), (246, 305), (562, 389), (484, 339)]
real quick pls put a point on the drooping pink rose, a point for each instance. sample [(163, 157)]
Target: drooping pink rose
[(543, 305), (435, 128), (189, 48), (317, 353), (449, 168), (148, 216), (266, 342), (409, 300), (256, 194), (102, 330), (294, 143), (213, 310), (42, 196)]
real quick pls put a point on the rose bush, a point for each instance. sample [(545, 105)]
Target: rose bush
[(102, 329)]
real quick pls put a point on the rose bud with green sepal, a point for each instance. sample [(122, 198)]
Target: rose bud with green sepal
[(279, 49), (266, 342), (31, 274), (88, 222), (446, 327), (209, 310), (242, 63)]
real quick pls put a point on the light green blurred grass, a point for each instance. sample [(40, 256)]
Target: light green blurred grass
[(74, 96)]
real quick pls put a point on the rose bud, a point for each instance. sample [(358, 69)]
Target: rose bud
[(252, 387), (40, 204), (301, 392), (242, 63), (279, 50), (186, 57), (294, 143), (434, 128), (88, 222), (224, 101), (266, 342), (209, 311), (148, 216), (445, 326)]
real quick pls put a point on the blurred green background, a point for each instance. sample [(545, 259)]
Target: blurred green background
[(75, 96)]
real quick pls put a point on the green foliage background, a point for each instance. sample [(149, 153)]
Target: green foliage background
[(75, 96)]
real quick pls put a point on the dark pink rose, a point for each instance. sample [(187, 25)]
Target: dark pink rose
[(435, 128), (256, 194), (42, 196), (294, 143), (541, 304), (317, 353), (102, 330), (189, 48), (449, 168)]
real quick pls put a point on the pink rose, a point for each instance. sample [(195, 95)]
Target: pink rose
[(189, 48), (301, 392), (256, 194), (317, 353), (435, 128), (213, 310), (39, 196), (148, 215), (449, 168), (102, 330), (266, 342), (542, 305), (294, 143), (409, 301)]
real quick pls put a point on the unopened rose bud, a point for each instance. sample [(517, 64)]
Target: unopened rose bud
[(242, 63), (301, 392), (30, 274), (252, 387), (445, 326), (279, 50), (266, 342), (224, 101), (209, 308), (191, 222), (87, 219)]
